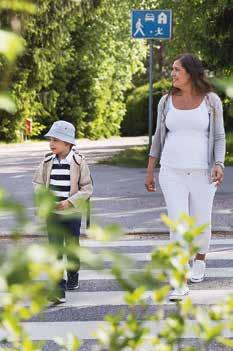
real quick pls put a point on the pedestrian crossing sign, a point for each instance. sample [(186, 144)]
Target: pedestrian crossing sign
[(151, 24)]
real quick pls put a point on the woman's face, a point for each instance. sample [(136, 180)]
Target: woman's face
[(180, 77)]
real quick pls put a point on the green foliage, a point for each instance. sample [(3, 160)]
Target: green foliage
[(12, 45), (79, 62), (136, 119), (226, 85), (20, 271), (22, 266), (204, 28), (102, 69)]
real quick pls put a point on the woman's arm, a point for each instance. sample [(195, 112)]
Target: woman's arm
[(155, 149), (150, 180), (219, 143), (219, 133)]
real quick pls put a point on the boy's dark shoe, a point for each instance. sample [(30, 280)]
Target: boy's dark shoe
[(60, 294), (72, 280)]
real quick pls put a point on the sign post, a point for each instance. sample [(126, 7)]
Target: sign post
[(150, 120), (151, 24)]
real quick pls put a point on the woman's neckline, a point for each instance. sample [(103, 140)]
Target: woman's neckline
[(189, 109)]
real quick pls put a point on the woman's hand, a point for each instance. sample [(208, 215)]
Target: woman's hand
[(217, 175), (150, 182)]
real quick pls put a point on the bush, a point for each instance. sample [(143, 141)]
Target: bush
[(136, 119)]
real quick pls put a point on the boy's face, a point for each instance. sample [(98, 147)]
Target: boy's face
[(59, 147)]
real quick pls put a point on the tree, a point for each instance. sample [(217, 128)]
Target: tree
[(47, 34), (78, 64), (103, 66), (204, 28)]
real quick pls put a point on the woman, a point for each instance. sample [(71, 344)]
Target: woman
[(190, 142)]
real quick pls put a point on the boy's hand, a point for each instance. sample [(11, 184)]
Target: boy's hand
[(63, 205)]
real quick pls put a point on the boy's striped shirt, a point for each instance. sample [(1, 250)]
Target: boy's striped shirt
[(60, 178)]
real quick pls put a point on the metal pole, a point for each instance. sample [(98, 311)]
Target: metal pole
[(150, 120)]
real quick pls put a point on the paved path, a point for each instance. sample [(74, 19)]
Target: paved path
[(99, 294), (119, 194)]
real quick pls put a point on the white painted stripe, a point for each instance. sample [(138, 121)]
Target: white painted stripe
[(146, 256), (87, 329), (116, 298), (60, 171), (106, 274), (143, 242), (59, 182), (61, 193), (220, 255)]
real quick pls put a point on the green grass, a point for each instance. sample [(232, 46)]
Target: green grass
[(132, 157), (138, 156)]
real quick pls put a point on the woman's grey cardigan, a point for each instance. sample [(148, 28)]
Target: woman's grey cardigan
[(217, 144)]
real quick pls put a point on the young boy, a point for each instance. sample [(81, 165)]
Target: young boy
[(66, 173)]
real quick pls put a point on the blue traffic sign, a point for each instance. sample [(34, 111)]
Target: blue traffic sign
[(151, 24)]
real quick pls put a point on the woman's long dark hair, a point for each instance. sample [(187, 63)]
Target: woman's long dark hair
[(194, 67)]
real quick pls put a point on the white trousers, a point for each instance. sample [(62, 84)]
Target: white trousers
[(189, 191)]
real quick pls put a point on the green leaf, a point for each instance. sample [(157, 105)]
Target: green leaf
[(11, 45), (7, 103), (226, 85), (18, 5)]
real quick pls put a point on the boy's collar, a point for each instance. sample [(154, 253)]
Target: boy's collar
[(68, 158)]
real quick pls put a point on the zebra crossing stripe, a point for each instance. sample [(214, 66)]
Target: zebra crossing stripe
[(145, 256), (147, 242), (89, 274), (86, 330)]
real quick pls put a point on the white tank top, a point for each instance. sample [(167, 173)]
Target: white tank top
[(186, 143)]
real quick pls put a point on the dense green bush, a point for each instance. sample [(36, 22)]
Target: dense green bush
[(136, 119)]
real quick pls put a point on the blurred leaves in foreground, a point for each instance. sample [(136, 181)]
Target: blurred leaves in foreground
[(225, 85), (29, 274)]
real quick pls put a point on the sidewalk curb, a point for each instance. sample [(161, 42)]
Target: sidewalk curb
[(139, 231)]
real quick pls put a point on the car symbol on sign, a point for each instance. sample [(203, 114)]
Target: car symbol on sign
[(149, 17)]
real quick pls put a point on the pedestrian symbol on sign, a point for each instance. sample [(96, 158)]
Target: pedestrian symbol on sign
[(139, 27)]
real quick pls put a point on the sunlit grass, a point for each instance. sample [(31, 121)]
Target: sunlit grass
[(132, 157)]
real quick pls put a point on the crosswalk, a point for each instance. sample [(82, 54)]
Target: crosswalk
[(99, 293)]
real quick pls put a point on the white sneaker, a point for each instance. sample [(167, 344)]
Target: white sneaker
[(179, 293), (198, 271)]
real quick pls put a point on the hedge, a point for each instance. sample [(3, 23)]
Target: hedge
[(136, 119)]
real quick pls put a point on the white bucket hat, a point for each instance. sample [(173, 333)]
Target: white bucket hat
[(62, 130)]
